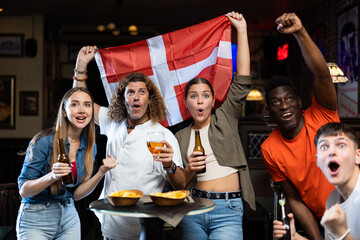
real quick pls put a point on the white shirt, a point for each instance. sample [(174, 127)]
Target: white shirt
[(134, 162), (351, 208)]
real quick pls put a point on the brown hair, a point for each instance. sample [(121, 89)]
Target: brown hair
[(335, 129), (157, 109), (60, 131), (197, 81)]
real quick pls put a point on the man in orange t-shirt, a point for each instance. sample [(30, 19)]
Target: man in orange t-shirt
[(295, 160), (289, 151)]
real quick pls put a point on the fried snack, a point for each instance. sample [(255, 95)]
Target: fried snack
[(171, 194), (125, 193)]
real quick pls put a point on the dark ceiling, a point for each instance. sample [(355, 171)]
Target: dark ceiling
[(164, 15)]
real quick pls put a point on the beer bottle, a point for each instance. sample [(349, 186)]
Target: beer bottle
[(199, 148), (64, 158), (284, 219)]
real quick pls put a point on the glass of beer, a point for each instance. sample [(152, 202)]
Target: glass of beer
[(153, 140)]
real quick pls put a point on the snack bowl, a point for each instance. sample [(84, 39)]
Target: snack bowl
[(172, 198), (124, 198)]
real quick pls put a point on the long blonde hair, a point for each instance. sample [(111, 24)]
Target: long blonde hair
[(60, 131)]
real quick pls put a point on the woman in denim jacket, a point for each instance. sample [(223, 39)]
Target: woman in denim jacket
[(47, 209)]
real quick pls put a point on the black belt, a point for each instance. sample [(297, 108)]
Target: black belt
[(215, 195)]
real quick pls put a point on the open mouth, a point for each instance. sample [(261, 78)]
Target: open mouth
[(80, 118), (136, 106), (286, 116), (200, 111), (333, 167)]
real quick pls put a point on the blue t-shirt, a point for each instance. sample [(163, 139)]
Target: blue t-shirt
[(37, 164)]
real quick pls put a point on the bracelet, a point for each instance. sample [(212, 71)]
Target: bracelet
[(344, 235), (80, 79), (80, 72)]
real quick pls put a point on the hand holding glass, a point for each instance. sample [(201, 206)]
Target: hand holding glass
[(153, 140)]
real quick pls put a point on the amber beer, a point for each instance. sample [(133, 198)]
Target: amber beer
[(64, 158), (152, 145), (199, 148)]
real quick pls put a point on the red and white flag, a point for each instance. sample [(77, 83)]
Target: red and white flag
[(171, 60)]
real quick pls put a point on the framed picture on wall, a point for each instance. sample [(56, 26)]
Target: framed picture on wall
[(29, 103), (347, 58), (7, 102), (11, 45)]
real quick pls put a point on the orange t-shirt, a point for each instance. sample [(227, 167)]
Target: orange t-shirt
[(295, 159)]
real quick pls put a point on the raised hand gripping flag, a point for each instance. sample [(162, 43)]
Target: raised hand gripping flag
[(171, 60)]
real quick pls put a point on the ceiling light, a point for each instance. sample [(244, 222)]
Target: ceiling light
[(116, 32), (254, 95), (111, 26), (133, 30), (100, 28)]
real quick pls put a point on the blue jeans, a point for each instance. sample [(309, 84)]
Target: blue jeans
[(223, 223), (51, 220)]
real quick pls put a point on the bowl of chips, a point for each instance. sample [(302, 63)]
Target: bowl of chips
[(124, 198), (171, 198)]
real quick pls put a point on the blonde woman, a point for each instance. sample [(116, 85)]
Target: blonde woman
[(47, 209)]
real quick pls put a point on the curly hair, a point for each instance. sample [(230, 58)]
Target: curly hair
[(157, 109)]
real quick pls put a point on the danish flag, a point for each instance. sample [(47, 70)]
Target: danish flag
[(171, 60)]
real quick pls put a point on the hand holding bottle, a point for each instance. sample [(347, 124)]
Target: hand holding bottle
[(63, 157), (280, 230), (60, 170), (197, 157)]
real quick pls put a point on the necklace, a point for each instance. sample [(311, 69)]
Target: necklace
[(129, 126)]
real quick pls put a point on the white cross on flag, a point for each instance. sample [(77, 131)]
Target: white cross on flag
[(171, 60)]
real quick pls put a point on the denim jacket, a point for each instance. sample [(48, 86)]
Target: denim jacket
[(37, 164)]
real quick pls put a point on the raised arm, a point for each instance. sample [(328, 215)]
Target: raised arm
[(241, 85), (243, 54), (301, 211), (85, 55), (324, 89)]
